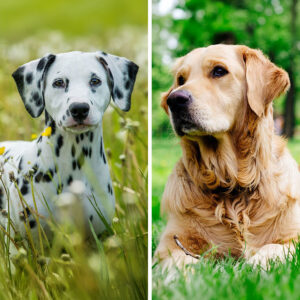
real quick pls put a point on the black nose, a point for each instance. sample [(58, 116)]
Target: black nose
[(79, 111), (179, 100)]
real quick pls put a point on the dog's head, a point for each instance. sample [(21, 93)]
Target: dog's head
[(75, 88), (213, 86)]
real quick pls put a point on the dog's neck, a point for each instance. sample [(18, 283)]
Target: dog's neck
[(233, 161), (71, 148)]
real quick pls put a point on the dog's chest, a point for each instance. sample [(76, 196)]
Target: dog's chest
[(51, 169)]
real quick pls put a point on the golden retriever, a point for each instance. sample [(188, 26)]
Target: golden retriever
[(236, 187)]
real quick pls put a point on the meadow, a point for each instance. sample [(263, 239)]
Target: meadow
[(209, 279), (115, 265)]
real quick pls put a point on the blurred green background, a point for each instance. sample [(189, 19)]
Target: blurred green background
[(178, 27), (271, 25), (28, 30)]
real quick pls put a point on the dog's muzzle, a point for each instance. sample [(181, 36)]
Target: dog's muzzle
[(178, 103)]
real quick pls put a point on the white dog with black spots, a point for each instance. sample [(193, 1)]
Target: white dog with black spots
[(74, 89)]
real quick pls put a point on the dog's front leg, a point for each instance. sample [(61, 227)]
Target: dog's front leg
[(169, 253)]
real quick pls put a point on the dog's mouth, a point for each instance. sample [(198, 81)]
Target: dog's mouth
[(186, 127), (79, 128)]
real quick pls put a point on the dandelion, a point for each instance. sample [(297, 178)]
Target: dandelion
[(2, 150), (47, 131), (33, 136)]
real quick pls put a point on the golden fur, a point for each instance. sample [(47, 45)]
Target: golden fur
[(236, 187)]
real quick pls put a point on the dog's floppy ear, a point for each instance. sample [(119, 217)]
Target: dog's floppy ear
[(265, 81), (121, 73), (29, 79), (165, 95)]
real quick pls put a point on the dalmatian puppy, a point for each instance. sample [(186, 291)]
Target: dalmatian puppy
[(74, 89)]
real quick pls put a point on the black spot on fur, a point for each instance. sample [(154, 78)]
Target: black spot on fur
[(70, 180), (102, 154), (20, 164), (77, 139), (91, 218), (104, 53), (127, 84), (32, 223), (59, 144), (111, 78), (48, 176), (39, 84), (39, 152), (35, 96), (64, 117), (28, 212), (91, 136), (74, 165), (39, 139), (38, 177), (18, 76), (81, 136), (118, 93), (1, 197), (73, 150), (29, 78), (41, 64), (67, 85), (90, 152), (24, 189), (85, 151), (68, 113), (132, 70), (37, 99), (101, 148), (50, 122)]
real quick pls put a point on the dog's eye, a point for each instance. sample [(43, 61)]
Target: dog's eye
[(180, 80), (58, 83), (95, 81), (219, 71)]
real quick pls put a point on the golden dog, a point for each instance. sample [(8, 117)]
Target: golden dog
[(236, 187)]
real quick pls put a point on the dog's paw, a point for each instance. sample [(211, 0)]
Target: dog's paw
[(177, 262), (271, 252)]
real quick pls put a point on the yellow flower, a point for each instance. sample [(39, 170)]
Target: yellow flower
[(47, 131), (33, 136), (2, 150)]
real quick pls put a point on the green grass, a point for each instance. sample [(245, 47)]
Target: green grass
[(114, 267), (209, 279)]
